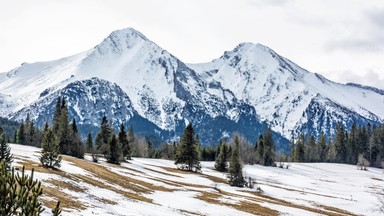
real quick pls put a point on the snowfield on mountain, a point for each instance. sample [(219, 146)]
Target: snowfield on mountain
[(133, 81), (156, 187)]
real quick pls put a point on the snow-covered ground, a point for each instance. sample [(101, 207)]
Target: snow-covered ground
[(154, 187)]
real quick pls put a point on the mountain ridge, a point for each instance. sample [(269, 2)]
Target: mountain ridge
[(250, 85)]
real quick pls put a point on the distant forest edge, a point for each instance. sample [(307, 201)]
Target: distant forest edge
[(360, 144)]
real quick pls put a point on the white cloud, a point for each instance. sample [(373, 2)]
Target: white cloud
[(321, 36)]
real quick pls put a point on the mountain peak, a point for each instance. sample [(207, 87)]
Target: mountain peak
[(128, 32), (120, 40)]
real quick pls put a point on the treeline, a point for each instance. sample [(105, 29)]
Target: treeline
[(362, 144)]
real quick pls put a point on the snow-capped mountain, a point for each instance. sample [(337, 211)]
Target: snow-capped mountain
[(132, 80), (289, 98)]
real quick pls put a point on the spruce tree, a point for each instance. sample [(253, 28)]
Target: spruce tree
[(74, 142), (89, 143), (50, 157), (21, 133), (63, 132), (322, 145), (123, 140), (312, 153), (56, 116), (19, 193), (5, 151), (340, 143), (300, 148), (187, 153), (235, 170), (269, 148), (221, 163), (114, 151), (260, 149), (103, 137)]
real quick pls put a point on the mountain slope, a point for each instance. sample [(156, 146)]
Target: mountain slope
[(284, 94), (133, 81)]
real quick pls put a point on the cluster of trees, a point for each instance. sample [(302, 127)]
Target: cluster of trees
[(361, 145), (19, 192), (115, 148)]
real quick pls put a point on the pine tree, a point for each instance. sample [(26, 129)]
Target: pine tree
[(300, 148), (103, 137), (50, 157), (187, 153), (74, 142), (5, 151), (260, 149), (19, 193), (114, 151), (21, 134), (63, 132), (123, 140), (89, 143), (312, 154), (235, 170), (221, 163), (340, 143), (322, 145), (269, 148), (56, 116)]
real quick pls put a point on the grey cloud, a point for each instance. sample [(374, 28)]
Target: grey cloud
[(370, 78), (367, 37)]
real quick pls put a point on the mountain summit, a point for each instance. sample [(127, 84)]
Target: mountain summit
[(133, 81)]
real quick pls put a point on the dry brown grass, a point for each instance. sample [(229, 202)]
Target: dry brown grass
[(111, 177), (215, 179), (163, 173), (244, 206), (331, 211), (66, 201)]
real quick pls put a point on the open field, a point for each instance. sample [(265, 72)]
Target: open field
[(155, 187)]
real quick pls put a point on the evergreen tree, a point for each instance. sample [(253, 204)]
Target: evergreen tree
[(21, 134), (260, 149), (352, 145), (5, 151), (114, 151), (74, 142), (340, 143), (89, 143), (312, 154), (56, 116), (322, 145), (269, 148), (300, 149), (221, 164), (292, 150), (235, 170), (50, 156), (63, 134), (103, 137), (19, 193), (187, 153), (123, 140)]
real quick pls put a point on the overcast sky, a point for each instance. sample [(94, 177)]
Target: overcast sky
[(341, 39)]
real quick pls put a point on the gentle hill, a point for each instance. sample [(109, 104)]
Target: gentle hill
[(155, 187)]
